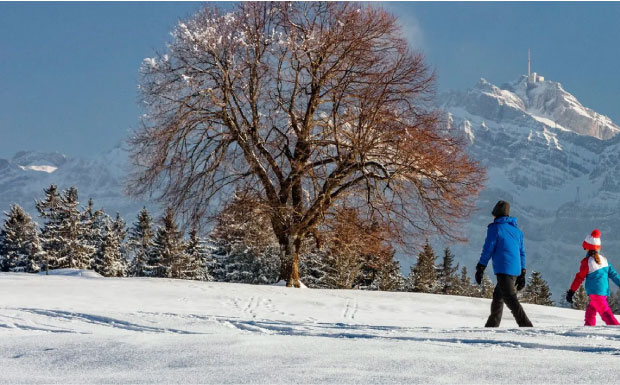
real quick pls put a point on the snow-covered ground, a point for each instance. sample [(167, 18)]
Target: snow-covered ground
[(78, 329)]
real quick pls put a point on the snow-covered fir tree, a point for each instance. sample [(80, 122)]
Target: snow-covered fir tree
[(141, 237), (614, 301), (537, 291), (50, 210), (196, 259), (423, 277), (465, 286), (485, 290), (244, 245), (119, 226), (20, 249), (94, 222), (447, 279), (167, 256), (76, 250), (315, 270), (580, 299), (238, 263), (109, 259), (380, 273)]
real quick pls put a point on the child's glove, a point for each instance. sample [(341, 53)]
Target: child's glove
[(569, 296), (520, 282), (479, 273)]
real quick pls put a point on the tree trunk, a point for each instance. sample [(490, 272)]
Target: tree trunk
[(289, 262)]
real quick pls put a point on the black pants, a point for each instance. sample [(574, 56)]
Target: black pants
[(505, 292)]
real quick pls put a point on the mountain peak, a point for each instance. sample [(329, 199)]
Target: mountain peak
[(35, 158), (542, 100)]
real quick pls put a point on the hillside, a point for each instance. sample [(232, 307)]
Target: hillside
[(76, 329)]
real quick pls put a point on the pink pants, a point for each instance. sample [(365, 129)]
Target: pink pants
[(598, 304)]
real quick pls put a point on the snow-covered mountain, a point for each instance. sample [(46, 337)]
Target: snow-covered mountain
[(553, 159), (102, 177)]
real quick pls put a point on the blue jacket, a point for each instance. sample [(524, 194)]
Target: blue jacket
[(504, 244), (597, 276)]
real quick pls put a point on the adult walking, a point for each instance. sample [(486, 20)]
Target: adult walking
[(504, 245)]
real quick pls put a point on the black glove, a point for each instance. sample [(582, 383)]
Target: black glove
[(569, 296), (479, 273), (520, 282)]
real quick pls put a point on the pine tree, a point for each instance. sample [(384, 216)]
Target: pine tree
[(424, 276), (614, 301), (237, 262), (537, 291), (314, 271), (119, 226), (580, 299), (244, 246), (465, 286), (167, 256), (195, 267), (140, 242), (50, 210), (486, 288), (76, 250), (94, 222), (20, 249), (109, 259), (379, 273), (389, 278), (447, 279)]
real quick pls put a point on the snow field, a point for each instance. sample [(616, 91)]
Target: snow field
[(77, 329)]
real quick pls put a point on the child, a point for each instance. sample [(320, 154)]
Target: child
[(596, 271)]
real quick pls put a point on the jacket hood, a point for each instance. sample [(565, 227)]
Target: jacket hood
[(509, 220)]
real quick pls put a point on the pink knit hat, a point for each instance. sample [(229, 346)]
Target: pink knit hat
[(593, 241)]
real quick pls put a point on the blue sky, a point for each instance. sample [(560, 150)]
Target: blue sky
[(69, 71)]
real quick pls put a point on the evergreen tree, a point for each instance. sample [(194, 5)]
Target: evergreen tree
[(424, 276), (614, 301), (119, 226), (167, 256), (389, 278), (195, 267), (537, 291), (141, 238), (244, 246), (315, 271), (94, 222), (447, 279), (237, 262), (465, 286), (486, 288), (580, 299), (378, 273), (50, 210), (76, 251), (20, 250), (109, 259)]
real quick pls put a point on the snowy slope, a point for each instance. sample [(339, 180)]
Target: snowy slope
[(553, 159), (71, 329)]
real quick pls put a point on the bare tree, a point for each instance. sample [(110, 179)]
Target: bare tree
[(308, 104)]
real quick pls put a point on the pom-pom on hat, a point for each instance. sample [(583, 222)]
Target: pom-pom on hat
[(593, 241)]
